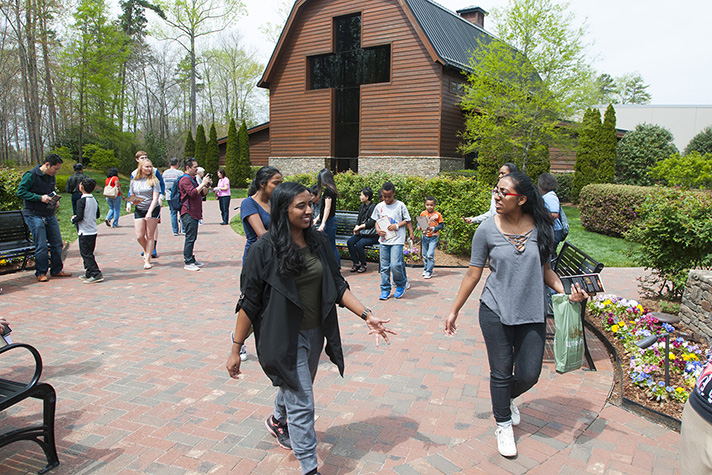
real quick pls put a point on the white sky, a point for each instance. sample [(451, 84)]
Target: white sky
[(669, 46)]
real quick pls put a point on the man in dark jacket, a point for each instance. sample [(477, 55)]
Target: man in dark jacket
[(72, 185), (37, 189)]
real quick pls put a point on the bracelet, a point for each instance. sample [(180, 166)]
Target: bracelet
[(232, 337), (365, 313)]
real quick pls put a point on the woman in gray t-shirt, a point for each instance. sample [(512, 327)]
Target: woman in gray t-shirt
[(517, 241), (145, 185)]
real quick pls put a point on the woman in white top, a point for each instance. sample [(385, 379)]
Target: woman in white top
[(146, 186)]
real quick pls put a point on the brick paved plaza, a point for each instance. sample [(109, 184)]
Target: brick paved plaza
[(138, 363)]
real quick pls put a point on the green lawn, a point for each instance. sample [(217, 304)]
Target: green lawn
[(611, 251)]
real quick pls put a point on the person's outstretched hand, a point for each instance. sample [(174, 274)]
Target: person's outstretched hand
[(449, 327), (376, 326)]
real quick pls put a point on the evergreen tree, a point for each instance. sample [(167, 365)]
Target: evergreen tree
[(212, 157), (639, 150), (232, 156), (189, 146), (243, 140), (701, 142), (201, 147), (587, 152), (608, 143)]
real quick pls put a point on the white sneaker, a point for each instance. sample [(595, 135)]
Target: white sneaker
[(427, 275), (243, 353), (424, 273), (505, 441), (516, 417), (192, 267), (407, 285), (199, 264)]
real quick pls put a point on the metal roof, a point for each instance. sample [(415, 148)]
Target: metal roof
[(453, 38)]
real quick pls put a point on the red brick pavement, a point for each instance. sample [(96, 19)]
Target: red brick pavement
[(138, 365)]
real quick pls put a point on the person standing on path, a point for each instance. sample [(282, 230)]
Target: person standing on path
[(38, 192), (170, 176), (85, 221), (292, 316), (145, 186), (191, 211), (112, 179), (222, 191), (326, 221), (254, 210), (72, 185), (141, 155), (517, 244)]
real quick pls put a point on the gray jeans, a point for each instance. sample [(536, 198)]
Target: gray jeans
[(297, 405)]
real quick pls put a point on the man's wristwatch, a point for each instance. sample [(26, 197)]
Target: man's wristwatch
[(365, 313)]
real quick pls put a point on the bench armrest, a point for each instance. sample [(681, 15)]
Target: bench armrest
[(35, 354)]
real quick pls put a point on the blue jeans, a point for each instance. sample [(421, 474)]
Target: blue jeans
[(45, 231), (392, 259), (224, 202), (174, 220), (330, 230), (429, 244), (515, 354), (190, 228), (114, 209), (356, 245), (297, 405)]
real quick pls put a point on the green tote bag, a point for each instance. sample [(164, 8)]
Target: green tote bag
[(568, 338)]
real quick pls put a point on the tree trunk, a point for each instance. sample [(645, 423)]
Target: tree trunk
[(51, 107), (193, 94)]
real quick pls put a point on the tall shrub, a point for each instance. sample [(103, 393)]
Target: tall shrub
[(232, 156), (641, 149), (212, 155), (587, 152), (189, 150), (201, 146), (608, 143), (675, 234), (701, 143), (243, 144)]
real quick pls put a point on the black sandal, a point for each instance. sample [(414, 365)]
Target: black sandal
[(355, 268), (361, 269)]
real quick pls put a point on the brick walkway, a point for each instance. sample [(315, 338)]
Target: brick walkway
[(138, 365)]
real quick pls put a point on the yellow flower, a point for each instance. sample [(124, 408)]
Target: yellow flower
[(679, 390), (614, 328), (671, 355), (3, 262)]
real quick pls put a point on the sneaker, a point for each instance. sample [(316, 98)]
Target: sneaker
[(154, 254), (94, 280), (399, 292), (108, 224), (407, 285), (505, 441), (243, 353), (175, 234), (280, 431), (83, 278), (199, 264), (192, 267), (424, 273), (516, 417), (427, 275), (384, 295)]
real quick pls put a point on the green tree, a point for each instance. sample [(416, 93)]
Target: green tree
[(232, 157), (633, 90), (201, 146), (189, 149), (607, 89), (243, 140), (641, 149), (587, 153), (212, 155), (694, 170), (701, 143), (608, 142)]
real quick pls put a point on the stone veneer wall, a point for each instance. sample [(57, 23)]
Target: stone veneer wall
[(427, 167), (696, 308)]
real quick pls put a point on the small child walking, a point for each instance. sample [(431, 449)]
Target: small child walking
[(430, 235), (85, 220)]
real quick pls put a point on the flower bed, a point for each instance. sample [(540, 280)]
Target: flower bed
[(626, 322)]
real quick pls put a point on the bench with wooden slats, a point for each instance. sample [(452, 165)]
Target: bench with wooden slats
[(345, 222)]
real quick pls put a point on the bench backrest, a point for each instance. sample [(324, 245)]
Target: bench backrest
[(13, 227), (345, 222), (573, 261)]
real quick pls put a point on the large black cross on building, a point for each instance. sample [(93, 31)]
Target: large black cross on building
[(345, 70)]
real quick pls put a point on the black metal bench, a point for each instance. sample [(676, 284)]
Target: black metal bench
[(15, 239), (345, 222), (12, 392), (573, 261)]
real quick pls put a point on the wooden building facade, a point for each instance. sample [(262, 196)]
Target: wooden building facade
[(368, 85)]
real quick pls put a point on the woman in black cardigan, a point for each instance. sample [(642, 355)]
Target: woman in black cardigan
[(292, 316), (364, 232)]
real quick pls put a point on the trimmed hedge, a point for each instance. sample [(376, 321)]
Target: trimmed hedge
[(565, 180), (456, 198), (9, 183), (611, 209)]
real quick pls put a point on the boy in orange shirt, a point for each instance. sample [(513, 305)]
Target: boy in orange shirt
[(430, 235)]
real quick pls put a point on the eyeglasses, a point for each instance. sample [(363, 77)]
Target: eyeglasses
[(503, 194)]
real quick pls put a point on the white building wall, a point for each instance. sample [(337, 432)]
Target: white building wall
[(683, 121)]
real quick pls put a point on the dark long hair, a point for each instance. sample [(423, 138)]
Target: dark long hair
[(113, 171), (287, 253), (511, 167), (535, 207), (263, 175), (325, 179)]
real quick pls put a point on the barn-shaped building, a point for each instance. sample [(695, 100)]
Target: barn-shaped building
[(368, 85)]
